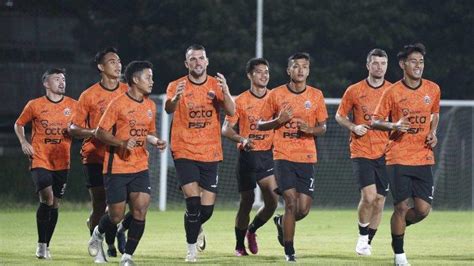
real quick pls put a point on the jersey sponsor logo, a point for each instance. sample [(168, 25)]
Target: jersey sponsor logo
[(198, 124), (307, 104), (367, 115), (294, 125), (200, 114), (427, 99), (54, 132), (258, 136)]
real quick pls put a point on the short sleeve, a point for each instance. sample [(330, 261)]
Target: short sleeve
[(436, 100), (171, 90), (321, 112), (383, 107), (269, 107), (26, 115), (109, 117), (346, 104), (152, 127), (79, 115)]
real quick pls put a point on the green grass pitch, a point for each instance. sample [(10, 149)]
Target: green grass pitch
[(325, 237)]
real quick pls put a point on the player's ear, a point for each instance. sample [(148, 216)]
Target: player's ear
[(186, 64), (401, 63), (249, 76), (135, 79), (100, 67)]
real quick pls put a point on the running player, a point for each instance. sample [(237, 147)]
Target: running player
[(195, 100), (413, 103), (127, 125), (91, 105), (301, 116), (255, 163), (367, 146), (49, 151)]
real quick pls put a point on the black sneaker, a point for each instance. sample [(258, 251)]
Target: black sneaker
[(121, 241), (112, 252), (279, 229), (290, 258)]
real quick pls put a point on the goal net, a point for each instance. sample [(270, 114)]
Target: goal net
[(335, 186)]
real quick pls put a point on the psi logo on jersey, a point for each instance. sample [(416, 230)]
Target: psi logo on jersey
[(149, 113), (307, 104), (211, 95), (427, 99), (67, 111)]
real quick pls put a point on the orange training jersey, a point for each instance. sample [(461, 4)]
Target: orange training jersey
[(418, 104), (247, 113), (360, 99), (308, 106), (49, 138), (196, 129), (127, 118), (92, 104)]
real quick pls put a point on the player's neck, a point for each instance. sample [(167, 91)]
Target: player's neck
[(135, 94), (258, 91), (375, 82), (53, 96), (198, 79), (412, 83), (297, 86), (109, 83)]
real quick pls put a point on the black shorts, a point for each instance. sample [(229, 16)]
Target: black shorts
[(44, 178), (410, 181), (119, 186), (371, 171), (94, 176), (295, 175), (205, 173), (252, 167)]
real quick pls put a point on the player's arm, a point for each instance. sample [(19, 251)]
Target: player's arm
[(359, 130), (25, 145), (431, 138), (153, 139), (107, 138), (229, 132), (80, 132), (285, 115), (318, 130), (229, 104), (172, 103), (401, 125)]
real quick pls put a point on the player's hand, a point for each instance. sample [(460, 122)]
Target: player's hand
[(129, 144), (402, 125), (27, 149), (360, 130), (305, 128), (285, 114), (160, 144), (247, 144), (431, 140), (179, 90), (222, 83)]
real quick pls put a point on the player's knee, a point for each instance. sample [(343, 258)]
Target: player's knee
[(139, 213), (193, 205), (422, 213), (206, 212), (401, 208), (271, 205), (369, 198), (290, 204), (247, 197)]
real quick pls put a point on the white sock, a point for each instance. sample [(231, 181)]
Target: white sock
[(126, 256), (192, 248)]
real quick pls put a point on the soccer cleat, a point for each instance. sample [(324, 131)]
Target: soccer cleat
[(363, 248), (290, 258), (279, 229), (41, 251), (95, 243), (48, 254), (191, 257), (201, 241), (121, 241), (401, 260), (100, 257), (252, 242), (112, 252), (127, 260), (88, 223), (241, 252)]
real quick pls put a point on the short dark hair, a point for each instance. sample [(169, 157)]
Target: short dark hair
[(194, 47), (133, 68), (52, 71), (252, 63), (409, 49), (99, 56), (376, 52), (299, 55)]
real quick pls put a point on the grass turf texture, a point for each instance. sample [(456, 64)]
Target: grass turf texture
[(325, 237)]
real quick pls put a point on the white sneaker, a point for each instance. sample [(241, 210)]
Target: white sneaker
[(126, 260), (41, 251), (100, 257), (201, 241), (95, 243), (192, 253), (48, 254), (401, 260), (363, 248)]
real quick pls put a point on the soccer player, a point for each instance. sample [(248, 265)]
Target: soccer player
[(367, 146), (413, 103), (92, 104), (255, 163), (49, 151), (127, 125), (195, 100), (300, 116)]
